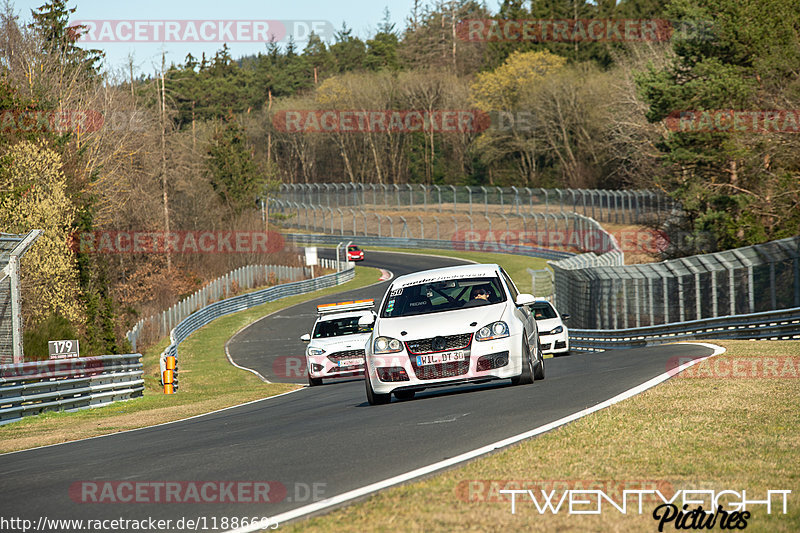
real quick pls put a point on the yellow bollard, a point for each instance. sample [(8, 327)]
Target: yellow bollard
[(168, 377)]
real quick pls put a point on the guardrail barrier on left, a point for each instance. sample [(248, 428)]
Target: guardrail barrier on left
[(68, 384)]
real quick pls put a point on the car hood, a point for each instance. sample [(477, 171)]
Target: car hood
[(443, 323), (548, 324), (346, 342)]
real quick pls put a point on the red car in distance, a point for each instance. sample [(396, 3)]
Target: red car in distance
[(354, 253)]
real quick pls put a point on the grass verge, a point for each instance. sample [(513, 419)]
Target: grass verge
[(207, 382), (701, 432)]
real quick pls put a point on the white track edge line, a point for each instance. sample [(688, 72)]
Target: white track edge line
[(379, 485)]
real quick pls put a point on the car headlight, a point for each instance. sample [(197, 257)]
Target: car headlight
[(555, 331), (386, 345), (314, 351), (495, 330)]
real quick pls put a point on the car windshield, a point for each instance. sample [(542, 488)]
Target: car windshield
[(445, 295), (339, 327), (543, 311), (352, 249)]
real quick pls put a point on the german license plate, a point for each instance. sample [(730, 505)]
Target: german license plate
[(351, 362), (439, 358)]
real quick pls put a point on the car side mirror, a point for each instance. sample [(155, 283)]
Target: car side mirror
[(366, 320), (565, 316), (525, 299), (306, 337)]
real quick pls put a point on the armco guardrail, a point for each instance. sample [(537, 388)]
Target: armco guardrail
[(200, 318), (783, 324), (397, 242), (68, 384)]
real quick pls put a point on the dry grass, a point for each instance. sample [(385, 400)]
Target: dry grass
[(686, 434)]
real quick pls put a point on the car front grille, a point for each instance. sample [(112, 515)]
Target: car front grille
[(441, 370), (444, 344), (345, 354)]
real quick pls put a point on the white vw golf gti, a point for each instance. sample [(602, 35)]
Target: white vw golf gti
[(464, 324)]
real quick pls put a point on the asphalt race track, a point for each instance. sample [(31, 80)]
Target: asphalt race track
[(272, 346), (317, 442)]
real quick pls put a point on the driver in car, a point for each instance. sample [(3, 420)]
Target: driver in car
[(479, 293)]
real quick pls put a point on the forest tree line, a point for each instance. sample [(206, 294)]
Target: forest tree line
[(199, 141)]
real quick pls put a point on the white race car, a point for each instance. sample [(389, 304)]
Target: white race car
[(553, 333), (336, 344), (463, 324)]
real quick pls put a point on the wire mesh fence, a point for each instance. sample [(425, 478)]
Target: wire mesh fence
[(625, 206), (746, 280), (562, 232), (12, 248)]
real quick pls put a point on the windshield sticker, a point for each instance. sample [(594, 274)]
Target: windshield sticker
[(489, 274), (389, 306), (396, 292)]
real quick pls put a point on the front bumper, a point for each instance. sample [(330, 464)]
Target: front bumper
[(555, 344), (327, 365), (485, 360)]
